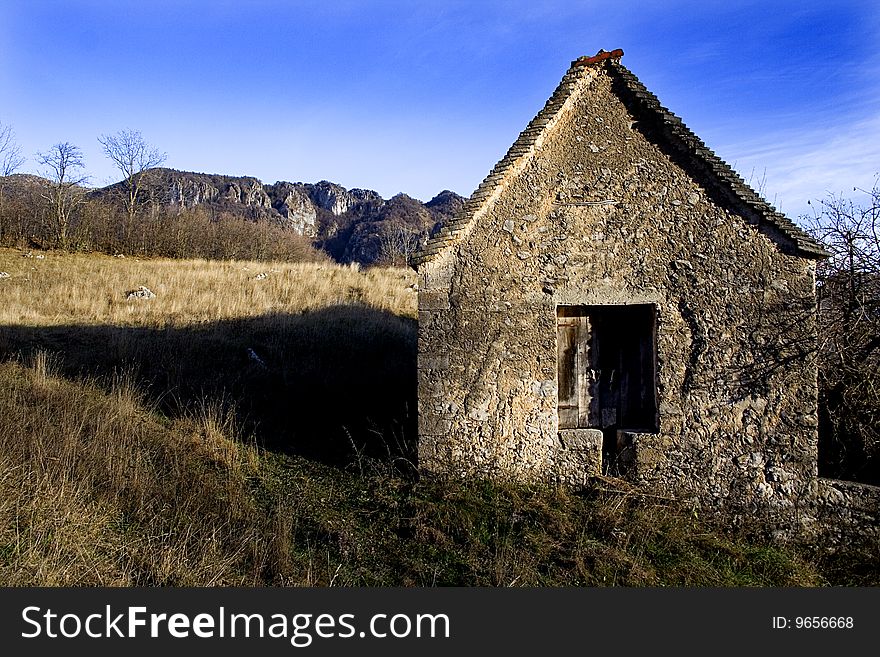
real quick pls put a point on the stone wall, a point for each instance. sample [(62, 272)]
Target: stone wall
[(847, 513), (593, 207)]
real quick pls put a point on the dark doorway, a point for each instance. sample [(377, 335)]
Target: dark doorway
[(606, 358)]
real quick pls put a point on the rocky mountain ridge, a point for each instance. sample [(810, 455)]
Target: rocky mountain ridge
[(352, 225)]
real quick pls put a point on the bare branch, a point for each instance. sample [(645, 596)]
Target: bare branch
[(398, 243), (10, 153), (64, 190), (849, 316), (133, 158)]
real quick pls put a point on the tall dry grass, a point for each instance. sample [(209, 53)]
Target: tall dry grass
[(125, 449), (96, 489), (62, 288), (318, 359)]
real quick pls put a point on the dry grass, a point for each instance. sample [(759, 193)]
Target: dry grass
[(123, 457), (334, 345), (95, 489), (90, 289)]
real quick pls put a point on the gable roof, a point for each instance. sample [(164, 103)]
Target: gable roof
[(666, 128)]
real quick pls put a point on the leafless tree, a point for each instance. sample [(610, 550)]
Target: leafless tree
[(64, 190), (134, 158), (849, 305), (10, 153), (398, 244), (10, 160)]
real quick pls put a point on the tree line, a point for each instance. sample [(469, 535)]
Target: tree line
[(58, 210)]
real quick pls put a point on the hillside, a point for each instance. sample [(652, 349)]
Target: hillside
[(351, 225), (252, 424)]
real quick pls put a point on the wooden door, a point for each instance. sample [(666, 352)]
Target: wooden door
[(606, 370), (577, 403)]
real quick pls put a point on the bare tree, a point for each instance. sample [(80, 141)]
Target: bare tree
[(398, 244), (64, 189), (849, 305), (10, 153), (134, 158), (10, 160)]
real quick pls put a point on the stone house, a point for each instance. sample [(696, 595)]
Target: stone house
[(614, 299)]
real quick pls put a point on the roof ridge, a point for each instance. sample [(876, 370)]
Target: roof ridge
[(736, 186), (726, 177), (520, 148)]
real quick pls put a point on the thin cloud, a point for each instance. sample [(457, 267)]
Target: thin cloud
[(808, 164)]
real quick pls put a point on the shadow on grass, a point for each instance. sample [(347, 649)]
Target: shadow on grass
[(335, 385)]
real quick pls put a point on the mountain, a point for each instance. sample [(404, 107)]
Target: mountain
[(352, 225), (23, 183)]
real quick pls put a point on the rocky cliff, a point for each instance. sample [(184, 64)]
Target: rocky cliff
[(352, 225)]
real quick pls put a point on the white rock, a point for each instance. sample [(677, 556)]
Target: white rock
[(142, 292)]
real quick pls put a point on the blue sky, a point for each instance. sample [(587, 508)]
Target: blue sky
[(424, 96)]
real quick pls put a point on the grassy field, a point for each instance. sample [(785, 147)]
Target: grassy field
[(316, 359), (54, 288), (245, 431)]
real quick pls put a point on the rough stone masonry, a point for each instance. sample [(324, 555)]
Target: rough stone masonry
[(614, 299)]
